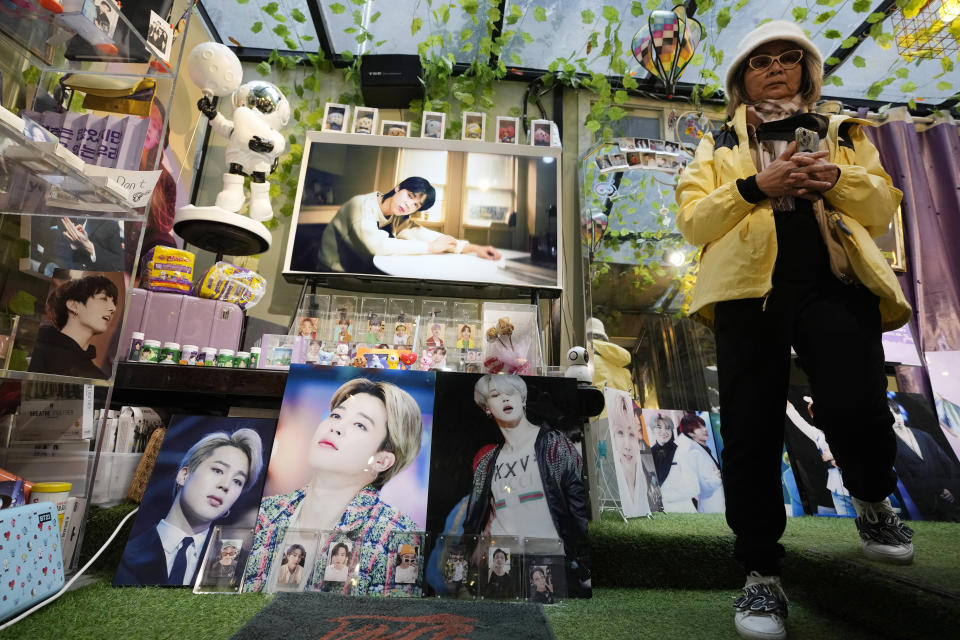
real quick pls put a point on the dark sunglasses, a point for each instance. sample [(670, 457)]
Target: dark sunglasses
[(787, 60)]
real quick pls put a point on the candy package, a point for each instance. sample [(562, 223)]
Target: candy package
[(167, 269), (225, 281)]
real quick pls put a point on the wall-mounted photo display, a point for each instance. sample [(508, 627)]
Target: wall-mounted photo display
[(222, 568), (485, 482), (394, 128), (360, 433), (541, 133), (365, 120), (336, 117), (474, 126), (294, 560), (447, 214), (433, 125), (618, 161), (187, 496), (636, 482), (507, 128)]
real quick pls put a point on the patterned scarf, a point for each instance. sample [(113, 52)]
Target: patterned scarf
[(766, 152)]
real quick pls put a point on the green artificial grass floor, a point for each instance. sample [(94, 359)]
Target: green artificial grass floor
[(101, 611), (669, 577)]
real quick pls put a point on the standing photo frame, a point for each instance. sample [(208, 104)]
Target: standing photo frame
[(433, 125), (474, 126), (335, 117), (540, 133), (394, 128), (507, 128), (365, 120)]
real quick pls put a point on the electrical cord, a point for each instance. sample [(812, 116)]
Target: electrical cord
[(79, 573)]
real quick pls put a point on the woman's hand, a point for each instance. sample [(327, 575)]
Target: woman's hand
[(814, 174), (775, 180), (443, 244), (482, 251)]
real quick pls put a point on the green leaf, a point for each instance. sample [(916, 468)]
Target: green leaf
[(526, 37), (823, 17), (264, 68), (337, 8), (281, 30), (610, 13), (587, 17), (415, 26), (862, 6), (347, 55), (591, 125), (849, 42), (620, 97), (636, 9), (271, 8), (22, 303), (946, 64), (467, 47), (375, 17), (256, 27), (912, 103), (901, 72), (832, 34), (723, 18), (944, 86), (242, 1), (350, 30), (908, 87), (800, 13), (443, 13), (876, 17), (832, 61), (859, 62), (515, 59), (836, 81), (297, 15), (291, 43), (696, 60), (539, 13)]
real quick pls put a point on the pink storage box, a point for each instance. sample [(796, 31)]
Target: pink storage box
[(172, 317)]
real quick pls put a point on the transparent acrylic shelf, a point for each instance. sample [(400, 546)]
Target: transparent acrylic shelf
[(54, 41), (66, 190), (50, 377)]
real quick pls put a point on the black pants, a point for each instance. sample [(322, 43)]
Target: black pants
[(835, 330)]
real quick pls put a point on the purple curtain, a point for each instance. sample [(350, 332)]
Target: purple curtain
[(925, 165)]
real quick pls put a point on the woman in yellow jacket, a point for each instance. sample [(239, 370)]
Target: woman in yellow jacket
[(765, 284)]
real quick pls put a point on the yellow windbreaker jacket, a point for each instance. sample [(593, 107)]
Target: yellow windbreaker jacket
[(739, 239)]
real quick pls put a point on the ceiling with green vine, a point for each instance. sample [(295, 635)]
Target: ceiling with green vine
[(858, 38)]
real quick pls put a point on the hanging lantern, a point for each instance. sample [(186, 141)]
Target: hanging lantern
[(927, 29), (665, 46)]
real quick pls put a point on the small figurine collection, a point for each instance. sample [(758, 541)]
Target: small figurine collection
[(407, 334)]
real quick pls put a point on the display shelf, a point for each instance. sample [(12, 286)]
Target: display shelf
[(206, 389), (69, 191), (215, 390), (31, 376), (68, 43)]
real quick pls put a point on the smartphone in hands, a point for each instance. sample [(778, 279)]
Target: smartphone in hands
[(807, 141)]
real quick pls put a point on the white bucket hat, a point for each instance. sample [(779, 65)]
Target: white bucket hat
[(595, 329), (768, 32)]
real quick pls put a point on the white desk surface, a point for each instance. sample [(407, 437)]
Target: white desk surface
[(461, 268)]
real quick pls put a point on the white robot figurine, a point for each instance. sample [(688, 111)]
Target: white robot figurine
[(578, 365), (260, 110)]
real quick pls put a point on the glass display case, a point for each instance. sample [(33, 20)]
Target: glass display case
[(84, 95)]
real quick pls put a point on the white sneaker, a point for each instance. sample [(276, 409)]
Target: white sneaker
[(231, 198), (762, 609), (882, 536), (260, 208)]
